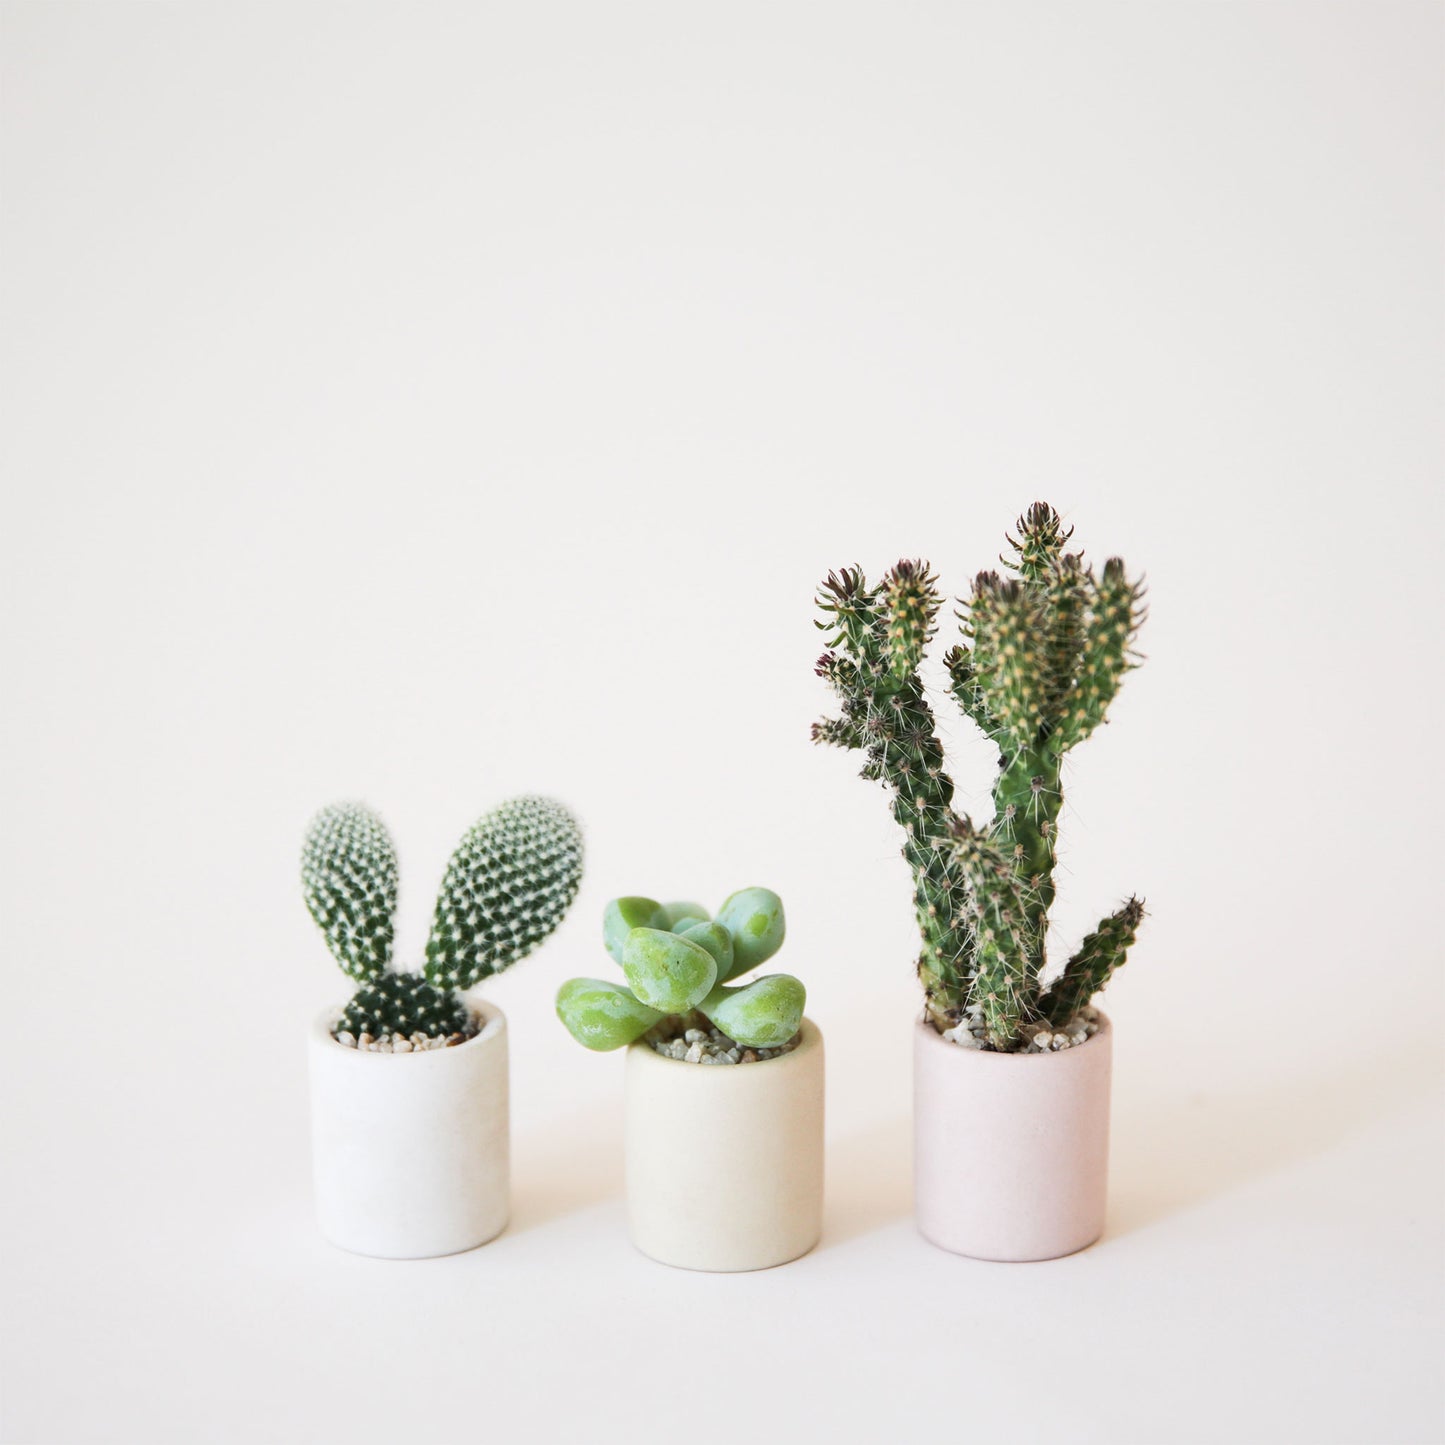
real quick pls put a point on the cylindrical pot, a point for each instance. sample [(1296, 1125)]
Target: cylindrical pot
[(410, 1151), (725, 1161), (1010, 1151)]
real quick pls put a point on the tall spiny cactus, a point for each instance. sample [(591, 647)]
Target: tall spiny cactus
[(507, 886), (1043, 654)]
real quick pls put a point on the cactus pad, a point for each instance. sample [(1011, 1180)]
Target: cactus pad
[(508, 884), (348, 876)]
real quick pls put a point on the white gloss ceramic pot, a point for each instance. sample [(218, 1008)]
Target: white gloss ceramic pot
[(1010, 1151), (410, 1151), (725, 1161)]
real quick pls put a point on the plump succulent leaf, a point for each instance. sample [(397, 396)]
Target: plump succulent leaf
[(622, 915), (508, 885), (754, 917), (666, 971), (602, 1015), (682, 913), (348, 875), (762, 1014), (713, 937)]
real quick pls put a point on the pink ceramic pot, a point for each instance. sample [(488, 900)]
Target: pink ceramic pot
[(1010, 1151)]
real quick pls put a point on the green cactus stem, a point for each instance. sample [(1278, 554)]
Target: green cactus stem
[(1104, 950), (402, 1003), (1041, 657)]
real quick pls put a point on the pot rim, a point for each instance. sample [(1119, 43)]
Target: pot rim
[(494, 1023), (810, 1042), (923, 1027)]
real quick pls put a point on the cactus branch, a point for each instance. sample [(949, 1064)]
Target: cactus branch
[(1006, 983), (912, 603), (1115, 615), (1104, 950)]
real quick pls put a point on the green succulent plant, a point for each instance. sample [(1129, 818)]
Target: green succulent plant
[(676, 960), (509, 883), (1042, 656)]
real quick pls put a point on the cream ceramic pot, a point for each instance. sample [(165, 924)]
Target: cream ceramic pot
[(1010, 1151), (410, 1151), (725, 1161)]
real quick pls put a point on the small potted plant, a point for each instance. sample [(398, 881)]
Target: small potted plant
[(1011, 1062), (724, 1091), (411, 1153)]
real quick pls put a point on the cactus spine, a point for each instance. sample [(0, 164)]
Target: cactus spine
[(511, 879), (1043, 654)]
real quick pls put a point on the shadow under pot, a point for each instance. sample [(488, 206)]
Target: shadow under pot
[(410, 1151), (1011, 1151), (725, 1162)]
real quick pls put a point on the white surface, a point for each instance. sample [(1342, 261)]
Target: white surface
[(410, 1159), (430, 403)]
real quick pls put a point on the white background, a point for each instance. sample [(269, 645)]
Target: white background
[(429, 403)]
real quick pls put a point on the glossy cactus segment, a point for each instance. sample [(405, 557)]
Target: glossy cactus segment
[(348, 877), (716, 939), (508, 885), (666, 971), (762, 1014), (679, 915), (1042, 655), (622, 915), (603, 1015), (754, 917), (402, 1003)]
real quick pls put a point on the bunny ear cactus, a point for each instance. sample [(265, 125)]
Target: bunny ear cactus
[(512, 878), (1042, 655), (508, 885), (676, 961)]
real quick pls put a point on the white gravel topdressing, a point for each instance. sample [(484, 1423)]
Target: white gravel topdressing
[(1039, 1038), (694, 1041), (416, 1043)]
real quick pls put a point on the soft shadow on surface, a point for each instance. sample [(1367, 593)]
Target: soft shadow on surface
[(868, 1182), (1171, 1152), (573, 1163)]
